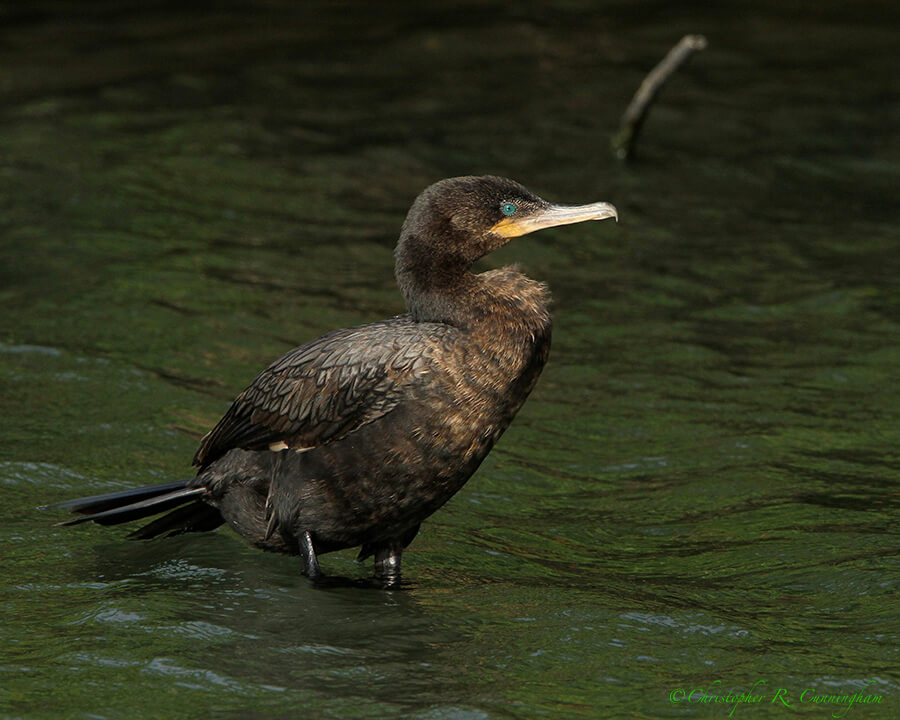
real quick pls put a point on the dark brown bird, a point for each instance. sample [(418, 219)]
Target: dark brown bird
[(356, 437)]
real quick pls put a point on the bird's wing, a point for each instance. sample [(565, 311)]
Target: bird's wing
[(326, 389)]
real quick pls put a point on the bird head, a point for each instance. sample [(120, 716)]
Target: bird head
[(459, 220)]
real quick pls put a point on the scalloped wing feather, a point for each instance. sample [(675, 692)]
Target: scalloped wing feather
[(326, 389)]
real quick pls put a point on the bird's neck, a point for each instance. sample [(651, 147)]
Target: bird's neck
[(437, 292), (449, 293)]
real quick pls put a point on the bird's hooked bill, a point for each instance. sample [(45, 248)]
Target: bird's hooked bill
[(552, 216)]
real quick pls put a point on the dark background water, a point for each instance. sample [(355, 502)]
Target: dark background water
[(702, 491)]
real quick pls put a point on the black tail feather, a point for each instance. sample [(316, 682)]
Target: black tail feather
[(196, 517), (140, 509), (189, 513), (109, 501)]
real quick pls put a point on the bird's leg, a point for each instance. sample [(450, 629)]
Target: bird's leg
[(271, 518), (387, 563), (310, 561)]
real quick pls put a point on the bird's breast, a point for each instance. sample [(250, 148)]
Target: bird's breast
[(485, 376)]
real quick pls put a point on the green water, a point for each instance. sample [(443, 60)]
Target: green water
[(702, 490)]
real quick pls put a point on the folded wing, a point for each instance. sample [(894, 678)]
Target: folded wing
[(326, 389)]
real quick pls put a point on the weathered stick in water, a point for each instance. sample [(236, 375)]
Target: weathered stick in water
[(624, 140)]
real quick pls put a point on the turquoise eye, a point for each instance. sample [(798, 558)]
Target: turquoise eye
[(508, 209)]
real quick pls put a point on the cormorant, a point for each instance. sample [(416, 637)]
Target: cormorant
[(356, 437)]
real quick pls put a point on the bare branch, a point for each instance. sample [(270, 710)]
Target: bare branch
[(623, 142)]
